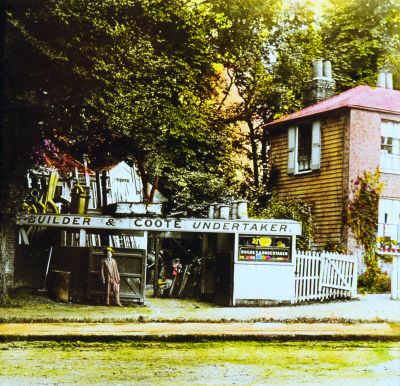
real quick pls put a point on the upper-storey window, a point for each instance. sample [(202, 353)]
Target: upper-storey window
[(390, 146), (304, 151)]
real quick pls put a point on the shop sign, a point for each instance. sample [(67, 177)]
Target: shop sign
[(278, 227), (264, 254)]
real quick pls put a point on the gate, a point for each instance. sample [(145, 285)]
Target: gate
[(325, 276)]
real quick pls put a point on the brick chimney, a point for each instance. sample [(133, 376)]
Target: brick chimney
[(321, 86)]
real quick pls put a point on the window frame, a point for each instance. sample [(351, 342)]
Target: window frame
[(389, 155), (293, 147)]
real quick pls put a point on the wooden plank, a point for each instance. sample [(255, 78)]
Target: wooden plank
[(301, 277), (296, 278)]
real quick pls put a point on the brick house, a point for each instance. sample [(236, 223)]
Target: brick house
[(320, 149)]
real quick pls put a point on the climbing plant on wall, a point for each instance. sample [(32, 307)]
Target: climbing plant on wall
[(362, 218), (362, 211)]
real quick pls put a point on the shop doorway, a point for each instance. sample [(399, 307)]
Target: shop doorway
[(223, 278), (175, 264)]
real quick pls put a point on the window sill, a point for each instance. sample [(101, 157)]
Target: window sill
[(306, 172), (389, 171)]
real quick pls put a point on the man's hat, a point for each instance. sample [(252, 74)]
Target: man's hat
[(108, 249)]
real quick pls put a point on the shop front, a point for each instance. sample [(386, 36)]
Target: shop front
[(229, 261)]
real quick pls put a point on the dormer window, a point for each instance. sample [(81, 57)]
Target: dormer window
[(304, 151)]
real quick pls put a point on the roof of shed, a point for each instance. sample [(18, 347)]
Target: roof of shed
[(360, 97), (62, 162)]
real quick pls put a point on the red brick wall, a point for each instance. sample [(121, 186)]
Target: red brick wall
[(364, 142)]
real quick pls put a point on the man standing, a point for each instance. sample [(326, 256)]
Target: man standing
[(110, 276)]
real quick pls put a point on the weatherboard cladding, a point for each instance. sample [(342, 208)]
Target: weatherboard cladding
[(323, 189)]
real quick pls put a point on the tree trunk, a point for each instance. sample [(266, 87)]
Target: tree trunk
[(264, 158), (145, 180), (254, 152), (154, 188), (148, 197)]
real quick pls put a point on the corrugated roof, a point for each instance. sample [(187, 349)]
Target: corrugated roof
[(361, 97)]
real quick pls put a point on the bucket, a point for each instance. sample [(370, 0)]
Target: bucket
[(234, 210), (79, 199), (211, 209), (60, 285), (216, 210), (242, 210), (224, 211)]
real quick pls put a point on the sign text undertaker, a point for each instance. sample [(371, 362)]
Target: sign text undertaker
[(164, 224)]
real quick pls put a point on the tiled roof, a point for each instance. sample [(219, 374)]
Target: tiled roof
[(361, 97)]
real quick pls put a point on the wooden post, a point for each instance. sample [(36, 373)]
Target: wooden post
[(98, 189), (156, 290), (82, 237), (395, 278), (104, 189)]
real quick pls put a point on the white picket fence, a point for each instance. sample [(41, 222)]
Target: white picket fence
[(325, 275), (396, 277)]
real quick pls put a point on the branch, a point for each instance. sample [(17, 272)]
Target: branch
[(47, 51), (228, 90)]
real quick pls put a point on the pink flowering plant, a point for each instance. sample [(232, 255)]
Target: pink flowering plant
[(387, 245)]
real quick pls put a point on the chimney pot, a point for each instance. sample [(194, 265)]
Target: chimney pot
[(322, 84), (318, 71), (327, 69), (381, 82), (389, 80)]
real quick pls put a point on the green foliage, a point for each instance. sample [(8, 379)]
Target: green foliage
[(128, 80), (360, 38), (286, 207), (334, 246), (270, 48), (362, 218), (373, 280), (362, 211)]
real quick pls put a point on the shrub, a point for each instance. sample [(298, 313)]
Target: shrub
[(286, 207), (334, 246), (373, 280)]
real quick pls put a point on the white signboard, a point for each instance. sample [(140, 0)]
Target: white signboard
[(200, 225)]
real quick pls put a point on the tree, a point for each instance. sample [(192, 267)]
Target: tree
[(270, 49), (143, 79), (119, 80), (360, 38)]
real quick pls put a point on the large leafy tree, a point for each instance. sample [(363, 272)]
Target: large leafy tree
[(271, 46), (361, 37), (131, 80)]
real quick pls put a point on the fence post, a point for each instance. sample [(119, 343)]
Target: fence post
[(354, 278), (395, 290)]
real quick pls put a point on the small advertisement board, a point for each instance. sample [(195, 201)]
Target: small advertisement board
[(264, 249)]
